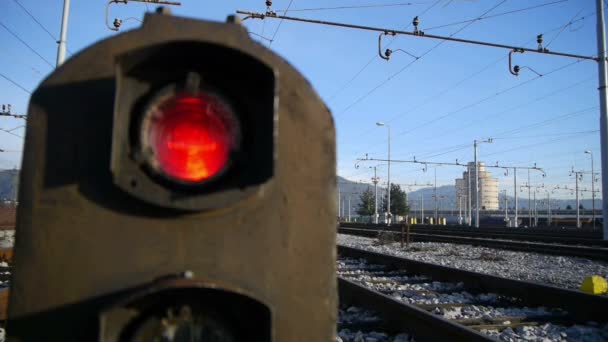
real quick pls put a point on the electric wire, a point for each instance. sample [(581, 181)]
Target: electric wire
[(26, 44), (494, 15), (374, 57), (434, 97), (401, 4), (39, 23), (15, 83), (470, 105), (563, 28), (280, 23), (414, 61)]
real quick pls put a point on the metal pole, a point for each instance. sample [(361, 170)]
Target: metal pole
[(506, 208), (535, 212), (529, 202), (375, 197), (516, 219), (388, 208), (435, 195), (64, 32), (548, 208), (349, 207), (601, 47), (592, 192), (476, 187), (469, 197), (460, 209), (578, 217), (339, 203), (421, 208)]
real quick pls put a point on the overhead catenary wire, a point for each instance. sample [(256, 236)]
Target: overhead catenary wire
[(399, 4), (494, 15), (428, 36), (38, 22), (374, 57), (26, 44), (280, 23), (434, 97), (415, 60), (563, 28), (15, 83)]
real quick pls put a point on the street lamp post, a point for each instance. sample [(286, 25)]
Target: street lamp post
[(592, 188), (388, 201)]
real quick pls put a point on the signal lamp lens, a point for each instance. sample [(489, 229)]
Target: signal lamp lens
[(190, 137)]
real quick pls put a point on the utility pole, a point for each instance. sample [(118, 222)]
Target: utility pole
[(349, 195), (459, 209), (435, 196), (339, 204), (506, 207), (64, 32), (589, 152), (577, 175), (421, 208), (601, 49), (375, 181), (470, 216), (515, 218), (548, 207), (529, 202), (535, 211), (388, 201)]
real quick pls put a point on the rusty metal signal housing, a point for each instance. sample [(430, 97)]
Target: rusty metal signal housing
[(97, 258)]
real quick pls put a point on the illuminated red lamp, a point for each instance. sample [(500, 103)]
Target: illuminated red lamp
[(190, 138)]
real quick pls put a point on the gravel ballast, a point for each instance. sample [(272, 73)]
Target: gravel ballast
[(561, 271)]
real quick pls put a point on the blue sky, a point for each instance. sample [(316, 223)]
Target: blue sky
[(436, 106)]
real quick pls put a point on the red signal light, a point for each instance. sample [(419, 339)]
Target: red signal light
[(190, 137)]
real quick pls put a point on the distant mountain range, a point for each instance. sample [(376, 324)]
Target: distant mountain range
[(447, 196)]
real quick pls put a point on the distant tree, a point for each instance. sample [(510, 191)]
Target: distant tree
[(580, 206), (366, 203), (568, 207), (398, 201)]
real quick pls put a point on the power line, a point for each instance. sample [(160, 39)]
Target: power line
[(563, 28), (494, 15), (36, 20), (417, 59), (15, 83), (26, 44), (374, 56), (279, 26), (434, 97), (357, 7)]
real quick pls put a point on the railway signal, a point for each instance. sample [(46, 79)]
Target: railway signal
[(178, 181)]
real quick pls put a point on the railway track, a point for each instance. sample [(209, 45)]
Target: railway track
[(583, 237), (402, 297), (590, 252)]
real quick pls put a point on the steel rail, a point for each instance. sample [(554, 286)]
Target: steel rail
[(398, 316), (581, 307), (552, 249)]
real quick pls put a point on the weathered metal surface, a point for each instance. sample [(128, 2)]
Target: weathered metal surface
[(400, 317), (598, 253), (581, 307), (81, 242)]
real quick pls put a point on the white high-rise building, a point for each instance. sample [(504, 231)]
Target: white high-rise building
[(488, 187)]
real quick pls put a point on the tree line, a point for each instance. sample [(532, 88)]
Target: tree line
[(399, 206)]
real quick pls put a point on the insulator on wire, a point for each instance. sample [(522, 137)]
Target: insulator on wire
[(539, 40), (268, 3), (117, 23), (415, 22)]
